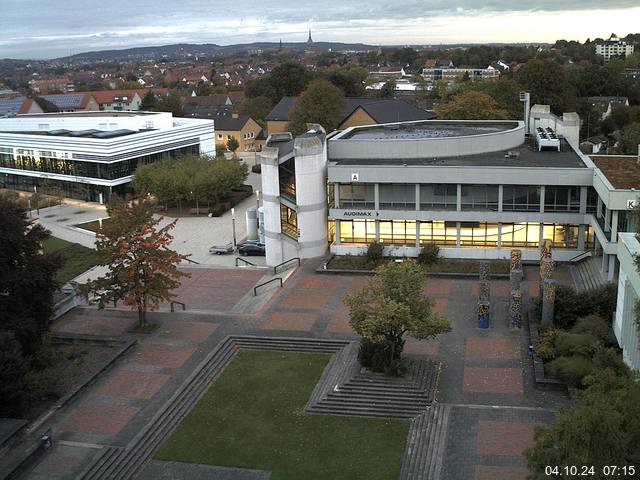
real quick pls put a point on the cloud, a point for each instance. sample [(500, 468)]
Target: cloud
[(44, 28)]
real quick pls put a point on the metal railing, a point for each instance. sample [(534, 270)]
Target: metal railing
[(581, 256), (275, 269), (184, 307), (255, 289), (245, 261)]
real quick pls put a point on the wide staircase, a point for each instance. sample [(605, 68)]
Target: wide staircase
[(586, 274)]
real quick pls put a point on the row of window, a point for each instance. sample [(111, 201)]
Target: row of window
[(472, 197), (51, 162), (471, 234)]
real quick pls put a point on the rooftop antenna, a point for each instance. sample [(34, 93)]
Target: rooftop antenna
[(525, 97)]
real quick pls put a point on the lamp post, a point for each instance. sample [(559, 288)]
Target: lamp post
[(258, 209), (233, 225)]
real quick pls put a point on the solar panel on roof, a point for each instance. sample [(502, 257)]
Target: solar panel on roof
[(112, 133), (65, 101), (83, 133)]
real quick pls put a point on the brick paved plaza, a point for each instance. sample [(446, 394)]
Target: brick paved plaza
[(486, 375)]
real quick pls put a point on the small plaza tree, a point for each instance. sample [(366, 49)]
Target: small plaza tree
[(391, 305), (142, 269)]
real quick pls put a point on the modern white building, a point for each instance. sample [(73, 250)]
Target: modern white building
[(613, 47), (625, 325), (475, 188), (93, 154)]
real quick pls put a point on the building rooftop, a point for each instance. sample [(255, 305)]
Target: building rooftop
[(622, 171), (102, 113), (89, 133), (382, 110), (526, 155), (433, 129)]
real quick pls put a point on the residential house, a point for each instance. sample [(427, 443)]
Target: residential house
[(452, 74), (606, 104), (242, 127), (614, 47), (594, 144), (358, 111), (51, 85), (124, 100), (18, 105), (74, 102)]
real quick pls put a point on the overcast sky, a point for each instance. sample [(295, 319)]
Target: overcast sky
[(52, 28)]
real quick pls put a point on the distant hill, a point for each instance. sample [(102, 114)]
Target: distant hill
[(206, 49)]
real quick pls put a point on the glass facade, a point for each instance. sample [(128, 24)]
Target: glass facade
[(438, 197), (562, 199), (288, 221), (480, 197), (440, 233), (60, 163), (287, 175), (520, 198), (397, 196), (357, 231), (478, 234), (357, 195), (523, 235), (398, 232)]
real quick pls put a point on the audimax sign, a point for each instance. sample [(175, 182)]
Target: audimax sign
[(360, 213)]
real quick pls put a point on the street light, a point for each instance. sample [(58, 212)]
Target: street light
[(258, 209), (233, 225)]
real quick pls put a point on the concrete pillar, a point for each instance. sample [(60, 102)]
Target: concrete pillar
[(542, 194), (457, 233), (607, 221), (499, 245), (582, 236), (614, 225), (500, 197), (337, 241), (376, 196), (459, 198), (604, 263), (583, 200), (377, 230), (270, 177), (336, 195), (611, 272), (599, 207), (417, 196), (311, 194), (417, 233)]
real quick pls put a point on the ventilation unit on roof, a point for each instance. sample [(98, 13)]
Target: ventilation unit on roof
[(547, 138), (512, 154)]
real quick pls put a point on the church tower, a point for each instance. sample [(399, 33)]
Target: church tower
[(309, 40)]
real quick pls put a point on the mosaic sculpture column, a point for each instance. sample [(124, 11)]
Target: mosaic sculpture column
[(515, 308), (483, 307), (548, 301), (546, 262), (515, 272)]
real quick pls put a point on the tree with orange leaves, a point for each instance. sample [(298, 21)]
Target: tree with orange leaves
[(143, 270)]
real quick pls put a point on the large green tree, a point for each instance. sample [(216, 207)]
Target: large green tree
[(352, 80), (630, 139), (548, 83), (471, 105), (322, 102), (142, 268), (287, 79), (390, 306), (27, 277), (257, 108), (602, 430)]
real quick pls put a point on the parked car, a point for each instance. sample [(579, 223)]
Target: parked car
[(221, 249), (255, 249)]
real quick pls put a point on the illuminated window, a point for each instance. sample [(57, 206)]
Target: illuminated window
[(445, 233), (288, 221), (357, 231), (475, 234), (562, 235), (520, 235)]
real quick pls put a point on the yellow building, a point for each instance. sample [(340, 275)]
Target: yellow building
[(241, 127)]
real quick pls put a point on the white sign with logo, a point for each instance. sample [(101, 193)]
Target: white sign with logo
[(355, 177)]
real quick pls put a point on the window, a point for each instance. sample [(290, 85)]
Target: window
[(438, 232), (476, 234), (562, 199), (398, 232), (520, 235), (480, 197), (397, 196), (228, 137), (219, 136), (357, 231), (439, 197), (562, 235), (520, 198), (592, 200), (357, 195), (288, 221), (287, 174)]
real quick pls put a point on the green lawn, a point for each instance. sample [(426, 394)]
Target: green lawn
[(77, 259), (93, 226), (253, 417), (443, 265)]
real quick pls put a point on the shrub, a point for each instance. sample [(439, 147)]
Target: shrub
[(567, 344), (375, 252), (429, 254), (571, 369), (257, 168), (545, 346), (596, 326), (571, 305)]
